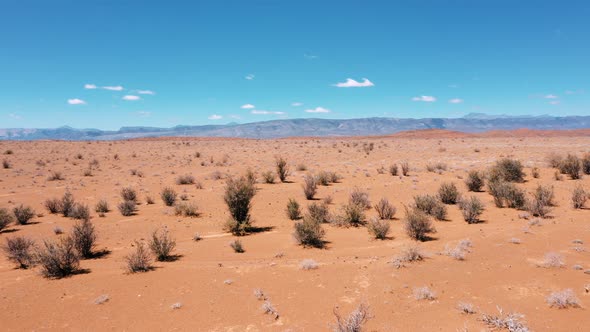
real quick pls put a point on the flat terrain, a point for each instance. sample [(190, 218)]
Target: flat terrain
[(215, 286)]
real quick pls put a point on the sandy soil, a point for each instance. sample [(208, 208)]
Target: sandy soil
[(215, 286)]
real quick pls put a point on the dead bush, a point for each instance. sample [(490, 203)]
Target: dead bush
[(84, 237), (448, 193), (384, 209), (162, 244), (19, 250), (354, 322), (563, 299), (417, 224), (139, 260), (58, 259)]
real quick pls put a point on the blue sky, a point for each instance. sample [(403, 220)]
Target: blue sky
[(156, 63)]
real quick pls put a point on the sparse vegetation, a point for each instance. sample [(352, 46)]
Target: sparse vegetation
[(293, 209), (162, 244), (586, 164), (540, 204), (310, 186), (84, 237), (579, 197), (238, 195), (168, 196), (471, 208), (23, 214), (139, 260), (475, 181), (66, 206), (19, 250), (417, 224), (282, 168), (309, 233), (448, 193), (378, 228), (58, 259), (384, 209), (431, 206)]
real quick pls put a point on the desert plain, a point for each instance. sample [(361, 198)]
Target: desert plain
[(210, 287)]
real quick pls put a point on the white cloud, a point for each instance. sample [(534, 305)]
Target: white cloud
[(76, 101), (15, 116), (113, 88), (215, 117), (310, 56), (247, 106), (554, 102), (453, 86), (131, 97), (296, 104), (146, 92), (427, 99), (249, 77), (318, 110), (266, 112), (350, 83), (89, 86), (551, 96), (456, 101), (233, 116), (144, 114)]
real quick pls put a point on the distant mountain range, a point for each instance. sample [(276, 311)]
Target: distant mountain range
[(471, 123)]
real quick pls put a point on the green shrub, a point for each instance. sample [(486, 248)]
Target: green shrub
[(238, 196)]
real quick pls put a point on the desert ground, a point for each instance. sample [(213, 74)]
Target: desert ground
[(210, 287)]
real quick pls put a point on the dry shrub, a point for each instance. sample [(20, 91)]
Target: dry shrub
[(408, 255), (318, 212), (572, 166), (586, 164), (293, 209), (310, 186), (139, 260), (553, 259), (6, 164), (186, 210), (67, 204), (238, 196), (471, 209), (563, 299), (417, 225), (269, 309), (506, 169), (23, 214), (58, 259), (162, 244), (282, 168), (405, 168), (535, 172), (475, 181), (579, 197), (384, 209), (437, 167), (185, 179), (424, 293), (53, 205), (554, 160), (102, 206), (84, 237), (80, 211), (354, 322), (507, 194), (5, 218), (308, 264), (352, 215), (168, 196), (378, 228), (309, 233), (360, 198), (393, 169), (448, 193), (55, 176), (430, 205), (512, 322), (268, 177), (19, 250), (127, 208), (129, 194), (236, 245)]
